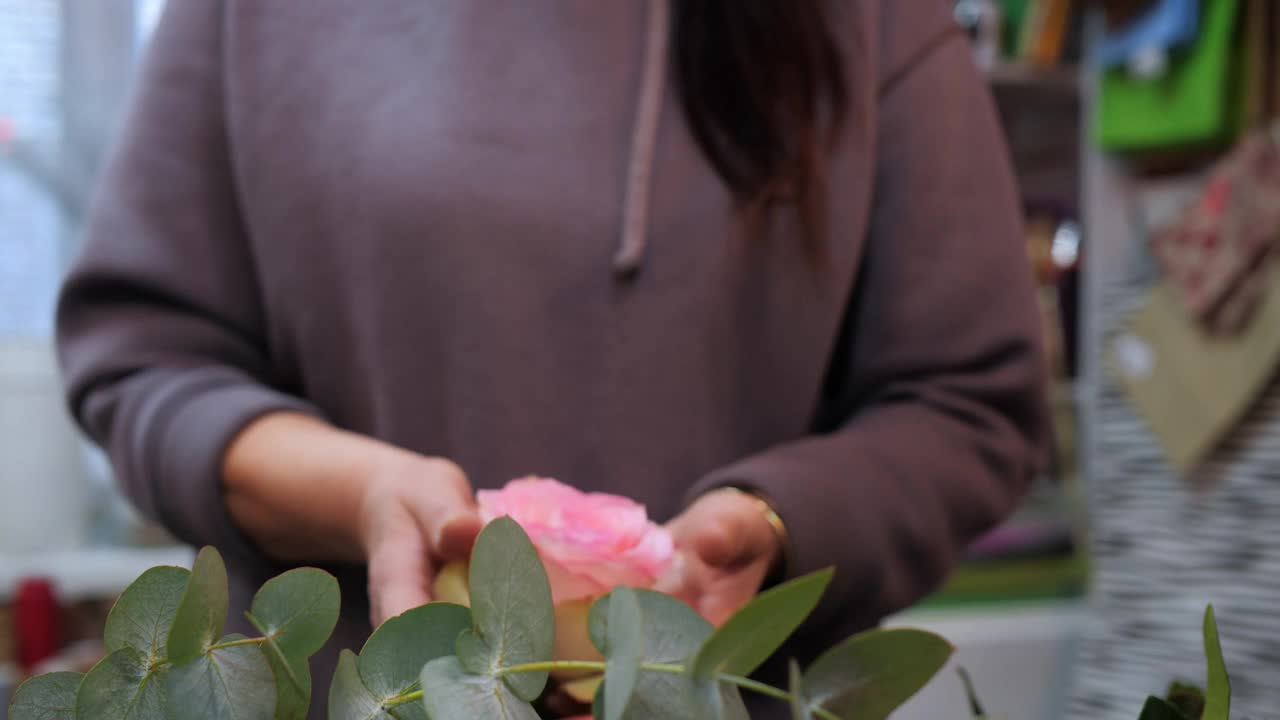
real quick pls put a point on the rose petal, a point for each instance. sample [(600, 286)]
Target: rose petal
[(452, 584), (590, 542), (583, 690), (573, 641)]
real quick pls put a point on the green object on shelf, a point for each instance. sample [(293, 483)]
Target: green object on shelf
[(1013, 581), (1013, 15), (1197, 102)]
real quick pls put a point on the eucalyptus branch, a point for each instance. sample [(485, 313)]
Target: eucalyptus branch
[(237, 643), (400, 658), (597, 666)]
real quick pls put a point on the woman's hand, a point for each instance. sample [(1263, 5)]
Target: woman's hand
[(415, 516), (725, 548), (305, 491)]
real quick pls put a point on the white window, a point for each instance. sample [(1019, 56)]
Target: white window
[(31, 220)]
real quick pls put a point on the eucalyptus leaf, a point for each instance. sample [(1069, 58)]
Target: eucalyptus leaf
[(202, 613), (297, 611), (349, 699), (450, 693), (1157, 708), (231, 683), (795, 685), (1217, 697), (511, 604), (46, 697), (624, 651), (144, 613), (703, 698), (390, 664), (871, 674), (474, 653), (672, 632), (756, 631), (293, 685), (122, 687)]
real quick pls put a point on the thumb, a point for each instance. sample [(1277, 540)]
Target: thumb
[(723, 530), (456, 534), (446, 511)]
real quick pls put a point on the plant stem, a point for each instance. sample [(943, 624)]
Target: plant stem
[(165, 662), (773, 692), (404, 699), (238, 643), (555, 665), (742, 682)]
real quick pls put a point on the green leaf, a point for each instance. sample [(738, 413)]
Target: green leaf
[(46, 697), (202, 612), (1217, 699), (703, 698), (293, 685), (144, 613), (1161, 709), (795, 685), (122, 687), (349, 699), (1187, 698), (871, 674), (757, 630), (474, 653), (390, 664), (297, 611), (672, 632), (450, 693), (624, 651), (228, 682), (511, 606)]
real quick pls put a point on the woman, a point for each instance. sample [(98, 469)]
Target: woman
[(353, 261)]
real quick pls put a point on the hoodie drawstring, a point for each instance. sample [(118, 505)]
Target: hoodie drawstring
[(644, 137)]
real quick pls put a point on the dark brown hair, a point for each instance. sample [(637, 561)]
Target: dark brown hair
[(763, 88)]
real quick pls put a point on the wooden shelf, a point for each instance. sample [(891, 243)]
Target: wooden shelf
[(1020, 76)]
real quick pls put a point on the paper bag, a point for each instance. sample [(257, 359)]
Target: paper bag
[(1190, 386)]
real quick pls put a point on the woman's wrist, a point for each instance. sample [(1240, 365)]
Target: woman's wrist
[(294, 483)]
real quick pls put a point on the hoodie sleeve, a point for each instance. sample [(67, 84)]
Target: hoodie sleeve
[(934, 411), (159, 326)]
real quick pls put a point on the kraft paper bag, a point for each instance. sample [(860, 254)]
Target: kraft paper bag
[(1193, 387)]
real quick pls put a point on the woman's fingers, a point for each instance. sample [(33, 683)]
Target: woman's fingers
[(399, 569), (726, 546), (725, 530), (419, 518), (455, 537)]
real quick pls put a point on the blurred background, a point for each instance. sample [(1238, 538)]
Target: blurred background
[(1141, 134)]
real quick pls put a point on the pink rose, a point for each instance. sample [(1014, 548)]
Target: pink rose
[(589, 542)]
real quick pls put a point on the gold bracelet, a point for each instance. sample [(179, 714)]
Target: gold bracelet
[(782, 565)]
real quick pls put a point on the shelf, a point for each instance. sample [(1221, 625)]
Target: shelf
[(1057, 79), (87, 573), (1017, 655)]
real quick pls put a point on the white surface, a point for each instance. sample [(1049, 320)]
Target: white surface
[(87, 573), (1019, 659), (44, 487)]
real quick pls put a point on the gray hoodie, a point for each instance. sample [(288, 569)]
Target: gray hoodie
[(408, 216)]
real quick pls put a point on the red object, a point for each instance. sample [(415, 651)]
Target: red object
[(1216, 252), (35, 617)]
